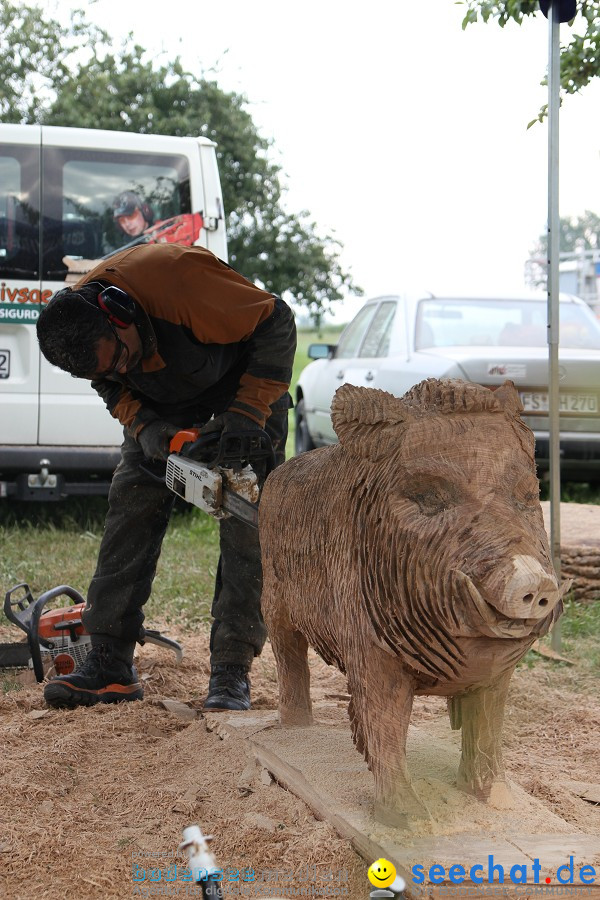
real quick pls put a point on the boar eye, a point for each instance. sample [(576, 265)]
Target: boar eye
[(432, 496)]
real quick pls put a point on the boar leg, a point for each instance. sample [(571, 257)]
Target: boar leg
[(382, 697), (290, 648), (480, 714)]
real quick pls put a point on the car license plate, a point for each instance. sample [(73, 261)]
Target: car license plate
[(4, 363), (576, 404)]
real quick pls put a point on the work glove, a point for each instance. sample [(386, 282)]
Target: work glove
[(237, 456), (229, 421), (155, 438)]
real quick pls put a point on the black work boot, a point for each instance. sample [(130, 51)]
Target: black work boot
[(107, 675), (228, 688)]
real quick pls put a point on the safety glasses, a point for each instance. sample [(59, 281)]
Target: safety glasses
[(120, 357)]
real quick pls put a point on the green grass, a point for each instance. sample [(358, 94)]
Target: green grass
[(580, 631), (573, 492), (58, 544), (581, 621), (580, 646), (9, 685)]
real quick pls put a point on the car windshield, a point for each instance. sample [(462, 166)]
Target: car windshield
[(501, 323)]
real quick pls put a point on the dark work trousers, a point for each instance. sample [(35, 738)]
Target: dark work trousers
[(139, 511)]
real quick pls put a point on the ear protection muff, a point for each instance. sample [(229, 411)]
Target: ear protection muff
[(117, 305)]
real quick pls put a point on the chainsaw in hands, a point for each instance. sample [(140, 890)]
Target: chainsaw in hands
[(55, 636), (215, 471)]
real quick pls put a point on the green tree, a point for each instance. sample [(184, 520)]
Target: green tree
[(579, 58), (73, 76), (33, 53)]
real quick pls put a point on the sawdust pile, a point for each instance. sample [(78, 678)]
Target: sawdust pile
[(88, 793)]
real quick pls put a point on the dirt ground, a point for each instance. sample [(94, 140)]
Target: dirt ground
[(89, 793)]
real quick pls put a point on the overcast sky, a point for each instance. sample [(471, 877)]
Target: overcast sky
[(403, 135)]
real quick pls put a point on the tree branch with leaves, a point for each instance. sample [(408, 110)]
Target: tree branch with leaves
[(579, 57)]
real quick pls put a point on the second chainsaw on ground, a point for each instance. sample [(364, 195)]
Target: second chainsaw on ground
[(56, 637), (215, 472)]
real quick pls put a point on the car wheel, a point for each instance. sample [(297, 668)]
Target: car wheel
[(302, 441)]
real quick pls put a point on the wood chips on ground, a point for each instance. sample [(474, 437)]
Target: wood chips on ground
[(88, 792)]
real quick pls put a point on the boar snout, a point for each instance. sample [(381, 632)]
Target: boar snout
[(522, 589), (515, 600)]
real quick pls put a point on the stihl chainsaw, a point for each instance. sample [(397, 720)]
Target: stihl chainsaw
[(54, 636), (215, 471)]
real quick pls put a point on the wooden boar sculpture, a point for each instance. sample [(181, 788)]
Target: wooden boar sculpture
[(412, 555)]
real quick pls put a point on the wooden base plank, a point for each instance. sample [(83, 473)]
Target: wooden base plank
[(320, 765)]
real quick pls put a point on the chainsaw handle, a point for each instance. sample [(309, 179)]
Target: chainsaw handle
[(26, 610), (70, 592), (191, 443), (33, 634), (187, 437), (229, 449), (28, 617), (226, 448)]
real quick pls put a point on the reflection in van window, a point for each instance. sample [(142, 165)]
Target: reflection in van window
[(90, 191), (19, 212), (103, 202), (10, 179)]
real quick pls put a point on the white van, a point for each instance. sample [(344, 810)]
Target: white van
[(69, 197)]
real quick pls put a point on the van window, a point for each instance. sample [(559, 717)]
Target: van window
[(97, 202), (19, 211)]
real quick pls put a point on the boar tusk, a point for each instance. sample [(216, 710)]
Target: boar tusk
[(493, 623), (565, 587)]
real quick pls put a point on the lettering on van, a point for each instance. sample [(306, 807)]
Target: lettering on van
[(22, 295), (21, 305), (24, 315)]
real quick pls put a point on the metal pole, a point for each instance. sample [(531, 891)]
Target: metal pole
[(553, 291)]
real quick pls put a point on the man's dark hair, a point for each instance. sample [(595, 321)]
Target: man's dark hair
[(69, 329)]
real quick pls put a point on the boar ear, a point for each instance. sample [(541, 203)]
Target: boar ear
[(508, 397), (359, 414)]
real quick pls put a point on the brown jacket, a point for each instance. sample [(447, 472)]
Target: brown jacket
[(211, 339)]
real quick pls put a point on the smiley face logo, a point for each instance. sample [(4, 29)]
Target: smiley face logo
[(381, 873)]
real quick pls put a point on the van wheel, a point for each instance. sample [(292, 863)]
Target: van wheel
[(302, 441)]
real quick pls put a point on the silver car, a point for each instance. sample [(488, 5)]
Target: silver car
[(395, 342)]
